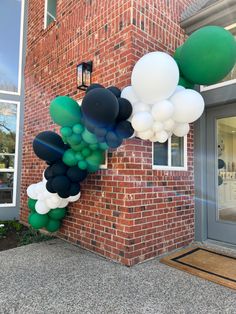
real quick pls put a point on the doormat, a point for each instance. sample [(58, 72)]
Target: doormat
[(208, 264)]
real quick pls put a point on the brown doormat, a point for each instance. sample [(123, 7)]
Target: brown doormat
[(204, 263)]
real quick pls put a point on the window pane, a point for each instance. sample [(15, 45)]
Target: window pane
[(7, 161), (161, 154), (49, 19), (177, 151), (10, 16), (8, 113), (52, 7), (6, 187)]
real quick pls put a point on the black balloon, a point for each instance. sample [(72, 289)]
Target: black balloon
[(48, 173), (100, 132), (74, 189), (221, 163), (124, 129), (93, 86), (59, 169), (48, 146), (115, 90), (89, 125), (61, 184), (113, 140), (49, 186), (64, 194), (125, 109), (75, 174), (100, 107)]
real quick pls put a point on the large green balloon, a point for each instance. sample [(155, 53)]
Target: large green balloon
[(177, 54), (53, 225), (31, 204), (65, 111), (208, 55), (38, 221), (183, 82), (57, 213), (69, 158), (95, 159)]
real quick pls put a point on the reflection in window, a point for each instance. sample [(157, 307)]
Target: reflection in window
[(10, 20), (8, 118), (171, 154)]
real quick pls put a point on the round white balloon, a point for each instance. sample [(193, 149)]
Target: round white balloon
[(179, 88), (155, 77), (129, 94), (146, 135), (51, 204), (181, 129), (41, 208), (140, 106), (158, 126), (162, 110), (188, 106), (32, 192), (64, 202), (74, 198), (169, 125), (162, 136), (142, 121)]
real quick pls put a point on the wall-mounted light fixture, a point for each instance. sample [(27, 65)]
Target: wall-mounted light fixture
[(84, 72)]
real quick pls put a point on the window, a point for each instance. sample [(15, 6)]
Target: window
[(171, 155), (9, 116), (231, 77), (11, 31), (50, 12), (104, 164)]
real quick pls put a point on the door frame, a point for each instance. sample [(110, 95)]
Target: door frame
[(213, 98)]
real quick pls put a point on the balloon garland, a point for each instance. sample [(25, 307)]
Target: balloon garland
[(159, 103)]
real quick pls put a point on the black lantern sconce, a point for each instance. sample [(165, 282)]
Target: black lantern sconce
[(84, 72)]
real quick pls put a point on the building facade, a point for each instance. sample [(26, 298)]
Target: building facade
[(147, 199)]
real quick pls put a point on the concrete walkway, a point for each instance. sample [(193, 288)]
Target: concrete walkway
[(56, 277)]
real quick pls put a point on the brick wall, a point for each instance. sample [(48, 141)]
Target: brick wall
[(128, 212)]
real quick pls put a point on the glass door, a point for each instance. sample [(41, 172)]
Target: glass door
[(221, 173)]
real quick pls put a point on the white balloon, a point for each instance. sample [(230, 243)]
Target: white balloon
[(32, 192), (188, 106), (63, 203), (181, 129), (155, 77), (41, 196), (129, 93), (40, 187), (140, 106), (158, 126), (179, 88), (51, 204), (74, 198), (162, 110), (142, 121), (162, 136), (169, 125), (146, 135), (41, 208)]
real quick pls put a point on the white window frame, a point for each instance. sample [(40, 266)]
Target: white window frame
[(169, 167), (20, 54), (46, 13), (17, 103), (204, 88), (105, 165)]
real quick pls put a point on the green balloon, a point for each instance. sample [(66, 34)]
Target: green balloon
[(177, 54), (38, 221), (74, 139), (57, 213), (53, 225), (66, 131), (183, 82), (92, 168), (31, 204), (86, 152), (88, 137), (69, 158), (65, 111), (79, 147), (78, 128), (79, 156), (208, 55), (96, 158), (82, 165), (94, 146), (103, 146)]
